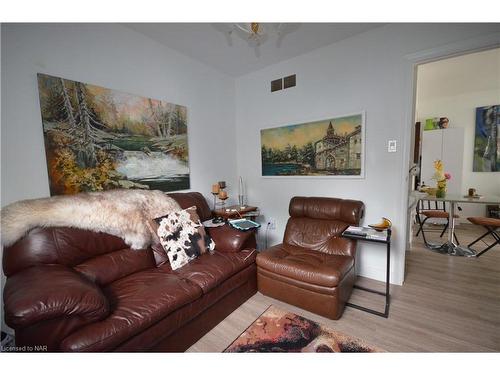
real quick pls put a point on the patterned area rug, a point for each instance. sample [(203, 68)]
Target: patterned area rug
[(280, 331)]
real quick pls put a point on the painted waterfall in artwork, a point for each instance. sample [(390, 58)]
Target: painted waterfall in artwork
[(487, 139), (330, 147), (99, 139)]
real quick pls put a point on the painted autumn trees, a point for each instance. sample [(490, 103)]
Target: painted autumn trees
[(89, 129)]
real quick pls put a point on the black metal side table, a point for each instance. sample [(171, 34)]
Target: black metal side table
[(387, 241)]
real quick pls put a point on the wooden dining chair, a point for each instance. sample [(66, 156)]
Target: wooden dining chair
[(433, 210), (492, 227)]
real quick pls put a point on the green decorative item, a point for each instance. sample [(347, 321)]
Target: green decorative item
[(441, 177), (429, 124), (441, 192)]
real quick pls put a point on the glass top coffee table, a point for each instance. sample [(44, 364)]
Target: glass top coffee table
[(450, 247)]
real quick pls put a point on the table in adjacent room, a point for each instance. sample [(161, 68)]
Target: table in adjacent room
[(450, 247)]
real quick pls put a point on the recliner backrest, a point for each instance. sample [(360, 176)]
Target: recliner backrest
[(317, 223)]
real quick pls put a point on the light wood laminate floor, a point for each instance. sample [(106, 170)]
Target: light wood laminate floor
[(447, 304)]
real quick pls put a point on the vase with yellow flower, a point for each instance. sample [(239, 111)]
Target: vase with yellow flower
[(441, 178)]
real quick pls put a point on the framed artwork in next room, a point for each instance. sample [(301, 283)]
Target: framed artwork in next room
[(487, 139), (99, 139), (332, 147)]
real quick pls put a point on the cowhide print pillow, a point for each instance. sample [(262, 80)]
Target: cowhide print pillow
[(183, 236)]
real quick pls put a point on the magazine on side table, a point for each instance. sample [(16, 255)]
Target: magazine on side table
[(366, 232)]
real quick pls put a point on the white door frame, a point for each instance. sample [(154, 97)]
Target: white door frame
[(463, 47)]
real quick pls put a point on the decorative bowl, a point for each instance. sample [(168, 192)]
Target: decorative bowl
[(384, 224), (431, 191)]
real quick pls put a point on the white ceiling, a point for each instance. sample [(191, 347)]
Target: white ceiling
[(474, 72), (233, 56)]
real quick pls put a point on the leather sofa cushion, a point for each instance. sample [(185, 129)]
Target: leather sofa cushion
[(313, 267), (58, 245), (137, 301), (175, 323), (48, 292), (227, 240), (230, 240), (210, 270), (144, 298), (187, 200), (109, 267)]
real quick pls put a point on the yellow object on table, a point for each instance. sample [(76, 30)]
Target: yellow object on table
[(431, 191), (384, 224)]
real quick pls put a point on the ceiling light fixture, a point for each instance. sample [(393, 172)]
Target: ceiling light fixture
[(256, 33)]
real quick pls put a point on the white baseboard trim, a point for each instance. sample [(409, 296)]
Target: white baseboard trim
[(378, 274)]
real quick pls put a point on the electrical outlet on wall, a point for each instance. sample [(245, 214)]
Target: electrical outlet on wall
[(271, 223)]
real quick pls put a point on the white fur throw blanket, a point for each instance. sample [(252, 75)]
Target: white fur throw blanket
[(122, 213)]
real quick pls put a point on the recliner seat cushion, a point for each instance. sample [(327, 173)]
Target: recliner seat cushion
[(313, 267)]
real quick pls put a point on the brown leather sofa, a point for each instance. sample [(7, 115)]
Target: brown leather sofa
[(77, 290), (314, 266)]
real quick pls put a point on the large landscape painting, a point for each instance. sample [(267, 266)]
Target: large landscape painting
[(331, 147), (487, 139), (99, 139)]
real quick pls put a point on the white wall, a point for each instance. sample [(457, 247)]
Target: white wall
[(115, 57), (454, 88), (371, 71)]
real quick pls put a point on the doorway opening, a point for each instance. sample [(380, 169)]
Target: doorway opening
[(456, 121)]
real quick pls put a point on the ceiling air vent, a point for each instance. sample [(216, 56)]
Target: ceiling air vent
[(276, 85), (289, 81), (283, 83)]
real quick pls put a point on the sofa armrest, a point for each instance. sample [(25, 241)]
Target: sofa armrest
[(230, 240), (51, 291)]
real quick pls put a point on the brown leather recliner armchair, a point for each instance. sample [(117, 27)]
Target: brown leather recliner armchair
[(314, 266)]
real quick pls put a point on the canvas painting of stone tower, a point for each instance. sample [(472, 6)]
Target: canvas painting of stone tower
[(331, 147)]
